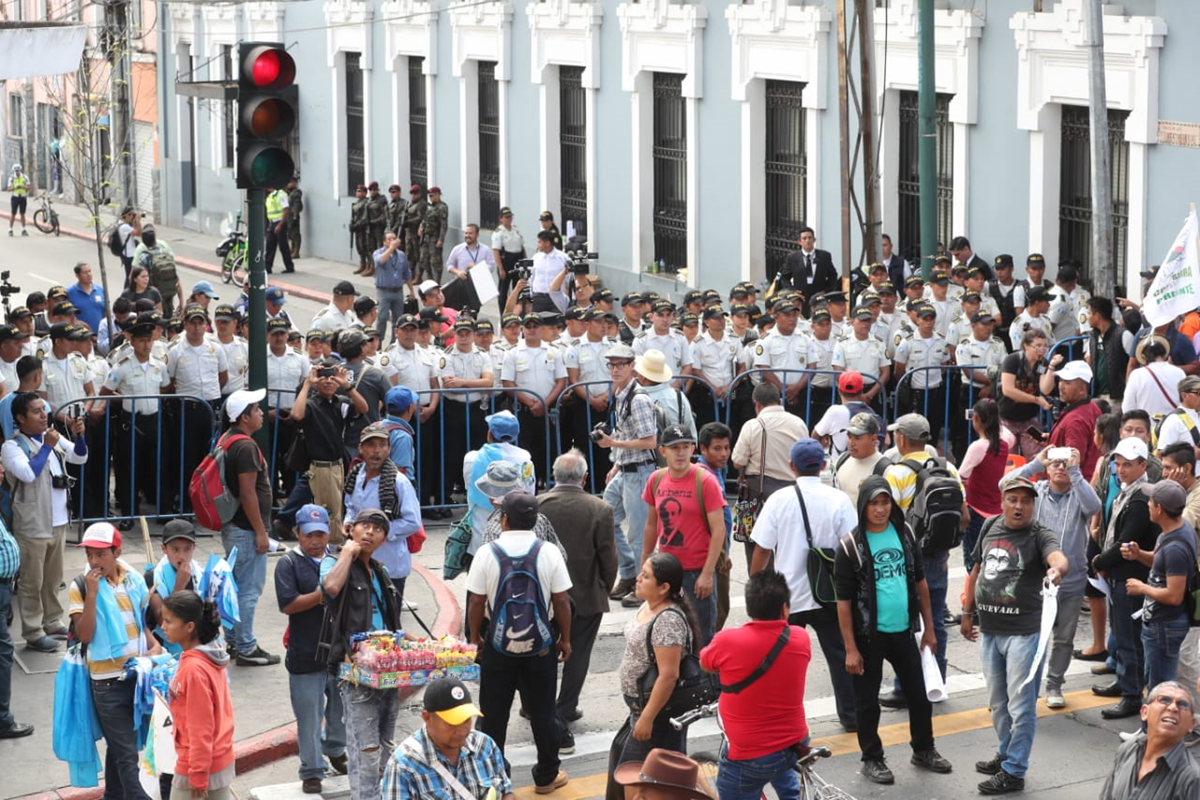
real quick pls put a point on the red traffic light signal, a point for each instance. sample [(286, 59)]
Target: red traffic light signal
[(268, 101)]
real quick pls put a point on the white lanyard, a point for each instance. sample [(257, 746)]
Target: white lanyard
[(458, 788)]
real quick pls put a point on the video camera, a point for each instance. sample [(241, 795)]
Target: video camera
[(523, 269), (579, 260), (6, 288)]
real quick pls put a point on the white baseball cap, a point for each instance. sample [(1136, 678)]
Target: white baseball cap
[(242, 399), (1075, 371), (1131, 447)]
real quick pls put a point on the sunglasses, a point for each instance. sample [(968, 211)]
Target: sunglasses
[(1059, 464)]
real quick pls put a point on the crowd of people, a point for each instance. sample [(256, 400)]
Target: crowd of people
[(621, 457)]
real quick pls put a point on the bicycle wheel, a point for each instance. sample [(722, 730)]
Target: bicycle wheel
[(41, 221), (239, 270), (227, 268)]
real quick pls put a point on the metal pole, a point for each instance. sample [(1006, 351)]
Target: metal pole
[(844, 127), (926, 136), (121, 113), (873, 224), (1102, 255), (257, 307)]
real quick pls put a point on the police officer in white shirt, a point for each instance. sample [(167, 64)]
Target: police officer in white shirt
[(863, 353), (65, 373), (197, 368), (508, 247), (286, 371), (537, 374), (1034, 317), (785, 348), (340, 311), (237, 352), (661, 336), (983, 349), (548, 263), (463, 366), (923, 394), (717, 358)]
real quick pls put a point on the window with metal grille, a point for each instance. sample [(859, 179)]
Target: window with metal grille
[(1075, 190), (572, 137), (908, 233), (228, 107), (670, 172), (418, 154), (786, 170), (355, 147), (489, 144)]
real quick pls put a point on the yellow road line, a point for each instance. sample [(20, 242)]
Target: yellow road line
[(589, 786)]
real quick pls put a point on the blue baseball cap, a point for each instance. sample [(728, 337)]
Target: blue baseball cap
[(275, 295), (312, 518), (204, 287), (807, 454), (503, 426), (399, 399)]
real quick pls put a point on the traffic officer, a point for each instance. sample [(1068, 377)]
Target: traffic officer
[(661, 336), (959, 329), (279, 220), (464, 366), (395, 210), (237, 351), (377, 213), (983, 349), (537, 375), (286, 370), (135, 423), (197, 368), (360, 233), (546, 220), (864, 353), (414, 215), (716, 358), (295, 206), (432, 231), (18, 184), (923, 391), (782, 351), (65, 373), (340, 311), (508, 247), (1034, 317), (1008, 294)]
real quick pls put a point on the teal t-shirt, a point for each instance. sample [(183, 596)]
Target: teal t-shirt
[(329, 562), (891, 580)]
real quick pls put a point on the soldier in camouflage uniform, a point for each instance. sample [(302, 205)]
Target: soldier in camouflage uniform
[(377, 208), (433, 235), (395, 211), (296, 204), (410, 237), (359, 231)]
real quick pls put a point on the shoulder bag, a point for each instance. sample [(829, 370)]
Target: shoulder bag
[(819, 563), (694, 688), (747, 507), (761, 669)]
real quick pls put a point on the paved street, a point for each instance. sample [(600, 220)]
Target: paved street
[(1072, 753)]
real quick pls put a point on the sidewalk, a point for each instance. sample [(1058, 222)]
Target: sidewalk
[(313, 279), (264, 726)]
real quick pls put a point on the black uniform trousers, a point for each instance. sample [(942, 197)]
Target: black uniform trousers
[(533, 438), (429, 447), (134, 445), (278, 240), (465, 430)]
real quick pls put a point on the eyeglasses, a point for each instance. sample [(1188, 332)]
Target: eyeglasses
[(1166, 700), (1059, 464), (619, 364)]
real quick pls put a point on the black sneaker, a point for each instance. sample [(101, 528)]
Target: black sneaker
[(989, 767), (566, 742), (876, 770), (931, 760), (893, 700), (256, 658), (950, 618), (1002, 783)]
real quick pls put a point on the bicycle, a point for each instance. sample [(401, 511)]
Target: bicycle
[(232, 252), (45, 219), (812, 785)]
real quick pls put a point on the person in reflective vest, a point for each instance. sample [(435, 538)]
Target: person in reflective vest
[(279, 213), (18, 184)]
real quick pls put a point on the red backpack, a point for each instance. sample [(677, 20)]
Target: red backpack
[(211, 499)]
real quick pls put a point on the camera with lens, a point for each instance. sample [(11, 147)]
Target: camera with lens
[(600, 430), (7, 288), (523, 269), (61, 481), (579, 260)]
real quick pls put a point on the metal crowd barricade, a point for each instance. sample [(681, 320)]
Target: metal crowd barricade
[(810, 391), (951, 380), (1072, 345), (171, 475)]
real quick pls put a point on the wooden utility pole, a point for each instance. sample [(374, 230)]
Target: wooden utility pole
[(844, 126), (1102, 255), (872, 228), (926, 136)]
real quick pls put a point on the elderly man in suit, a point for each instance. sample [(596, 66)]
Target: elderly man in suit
[(585, 526)]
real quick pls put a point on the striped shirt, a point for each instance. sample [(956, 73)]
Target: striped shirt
[(641, 422), (114, 667), (904, 480), (10, 554), (410, 773)]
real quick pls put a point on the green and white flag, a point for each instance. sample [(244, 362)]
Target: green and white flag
[(1176, 287)]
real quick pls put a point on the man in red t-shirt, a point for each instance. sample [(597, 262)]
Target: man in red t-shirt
[(1076, 423), (765, 720), (686, 505)]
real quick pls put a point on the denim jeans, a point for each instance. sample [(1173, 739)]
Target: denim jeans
[(315, 698), (624, 494), (744, 780), (1160, 643), (391, 308), (1062, 641), (250, 573), (114, 707), (1127, 633), (1006, 661), (971, 537), (370, 736), (706, 609), (6, 656)]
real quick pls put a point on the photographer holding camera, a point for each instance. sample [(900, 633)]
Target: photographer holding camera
[(548, 264)]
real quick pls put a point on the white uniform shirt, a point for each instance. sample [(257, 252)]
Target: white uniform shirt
[(916, 352), (868, 356), (63, 380), (820, 355), (471, 365), (329, 319), (534, 369), (988, 353), (415, 368), (588, 358), (237, 355), (132, 377), (716, 358), (674, 346), (1024, 322), (780, 352), (284, 375), (195, 370), (508, 240)]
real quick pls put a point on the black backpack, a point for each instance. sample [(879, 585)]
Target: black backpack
[(935, 514)]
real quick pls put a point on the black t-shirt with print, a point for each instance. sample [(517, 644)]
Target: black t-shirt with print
[(1008, 593)]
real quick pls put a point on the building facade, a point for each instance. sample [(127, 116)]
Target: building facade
[(688, 141)]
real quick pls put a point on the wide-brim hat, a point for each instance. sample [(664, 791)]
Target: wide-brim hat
[(1140, 352), (501, 478), (666, 769), (652, 365)]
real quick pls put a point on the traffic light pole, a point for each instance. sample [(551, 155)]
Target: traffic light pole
[(257, 307)]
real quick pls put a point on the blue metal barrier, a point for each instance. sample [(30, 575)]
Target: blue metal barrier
[(951, 375), (792, 376), (1071, 345)]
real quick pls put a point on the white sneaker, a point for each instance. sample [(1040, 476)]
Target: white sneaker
[(1054, 699)]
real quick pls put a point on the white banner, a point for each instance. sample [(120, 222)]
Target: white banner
[(1176, 288)]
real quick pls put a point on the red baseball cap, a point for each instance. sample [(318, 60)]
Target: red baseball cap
[(101, 534), (850, 383)]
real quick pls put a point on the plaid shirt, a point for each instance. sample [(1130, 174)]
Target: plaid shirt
[(10, 556), (641, 422), (410, 774)]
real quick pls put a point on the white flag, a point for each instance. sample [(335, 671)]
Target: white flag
[(1175, 289)]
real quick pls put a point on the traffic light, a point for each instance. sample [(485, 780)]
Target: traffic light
[(268, 100)]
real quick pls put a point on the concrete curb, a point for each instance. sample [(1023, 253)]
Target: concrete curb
[(278, 743), (204, 266)]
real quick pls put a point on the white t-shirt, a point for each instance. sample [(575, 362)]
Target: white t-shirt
[(851, 474), (1141, 391), (834, 424), (484, 577), (1174, 429), (125, 233)]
